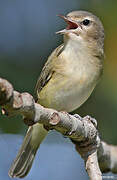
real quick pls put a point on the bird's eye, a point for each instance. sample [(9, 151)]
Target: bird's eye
[(86, 22)]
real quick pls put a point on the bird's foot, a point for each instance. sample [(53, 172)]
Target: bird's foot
[(93, 120)]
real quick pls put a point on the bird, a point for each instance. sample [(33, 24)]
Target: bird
[(67, 79)]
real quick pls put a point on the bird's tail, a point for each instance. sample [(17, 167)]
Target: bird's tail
[(27, 152)]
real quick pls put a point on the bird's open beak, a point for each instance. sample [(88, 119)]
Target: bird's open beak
[(71, 25)]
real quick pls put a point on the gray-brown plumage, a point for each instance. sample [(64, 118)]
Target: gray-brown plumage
[(67, 79)]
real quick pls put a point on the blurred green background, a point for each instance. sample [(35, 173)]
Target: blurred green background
[(27, 37)]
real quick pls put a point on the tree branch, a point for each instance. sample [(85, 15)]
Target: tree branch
[(82, 131)]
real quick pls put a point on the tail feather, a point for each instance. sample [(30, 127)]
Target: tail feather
[(23, 162)]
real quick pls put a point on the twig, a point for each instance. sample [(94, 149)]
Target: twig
[(82, 131)]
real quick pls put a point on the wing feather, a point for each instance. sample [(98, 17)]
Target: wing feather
[(48, 69)]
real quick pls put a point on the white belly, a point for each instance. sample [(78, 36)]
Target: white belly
[(72, 97)]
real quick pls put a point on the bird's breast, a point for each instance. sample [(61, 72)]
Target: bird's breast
[(72, 83)]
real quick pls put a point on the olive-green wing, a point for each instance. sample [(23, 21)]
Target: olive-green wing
[(48, 69)]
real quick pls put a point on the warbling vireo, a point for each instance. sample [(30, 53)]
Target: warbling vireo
[(67, 79)]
